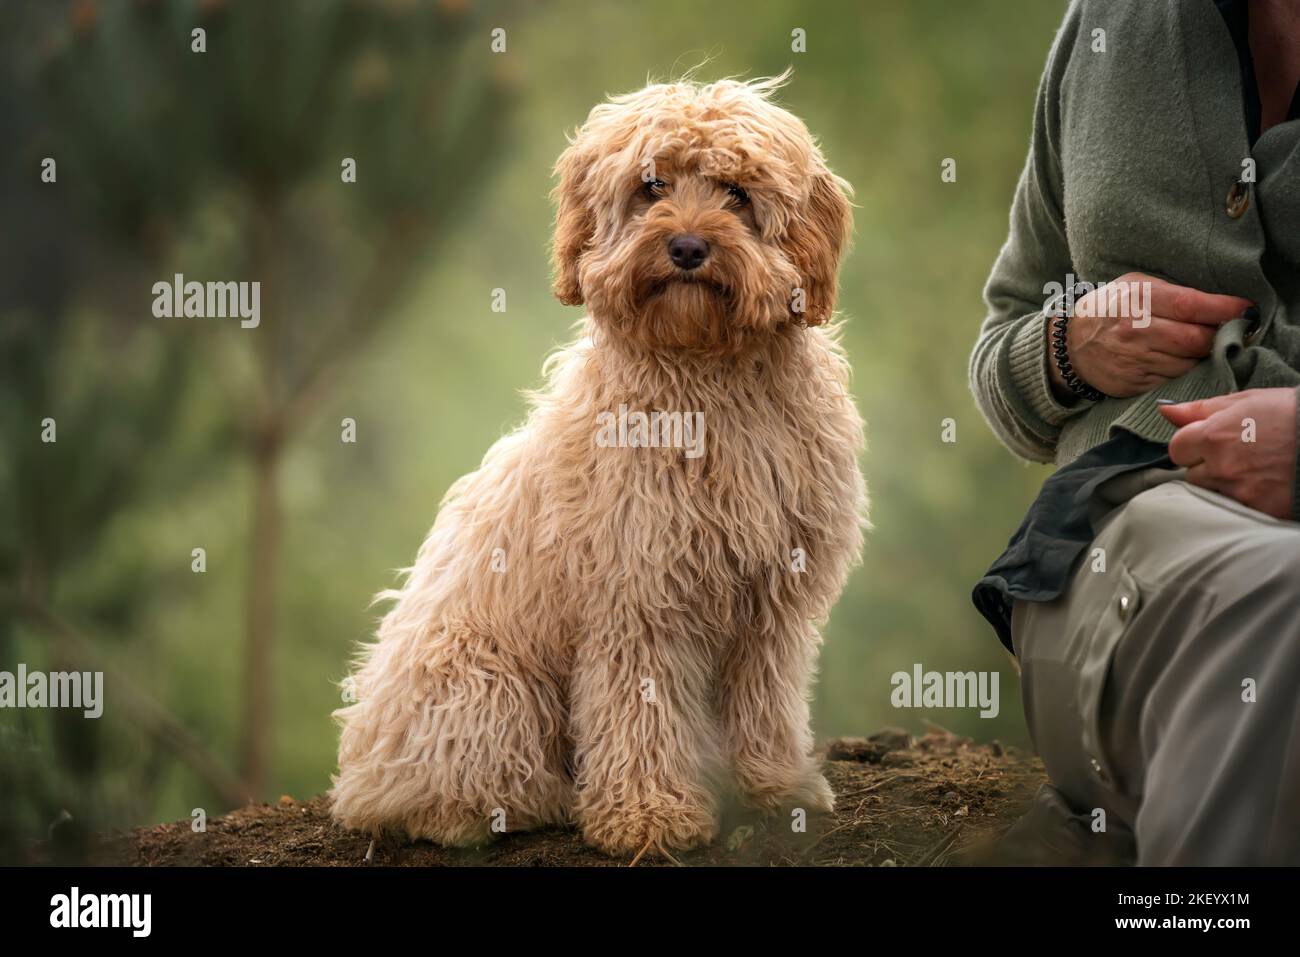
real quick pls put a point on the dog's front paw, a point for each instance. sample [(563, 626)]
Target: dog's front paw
[(808, 790), (450, 824), (651, 828)]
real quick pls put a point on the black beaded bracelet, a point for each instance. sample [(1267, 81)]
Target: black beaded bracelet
[(1061, 356)]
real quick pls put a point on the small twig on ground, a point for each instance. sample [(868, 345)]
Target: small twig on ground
[(900, 776), (641, 853), (935, 850)]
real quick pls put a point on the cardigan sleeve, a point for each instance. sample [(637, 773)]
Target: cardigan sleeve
[(1008, 367)]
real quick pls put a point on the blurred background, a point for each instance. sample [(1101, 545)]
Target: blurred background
[(179, 434)]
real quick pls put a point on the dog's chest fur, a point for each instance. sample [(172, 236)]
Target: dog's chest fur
[(772, 500)]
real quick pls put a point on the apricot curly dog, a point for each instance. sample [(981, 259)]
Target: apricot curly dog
[(601, 621)]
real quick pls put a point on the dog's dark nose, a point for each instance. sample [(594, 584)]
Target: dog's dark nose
[(687, 250)]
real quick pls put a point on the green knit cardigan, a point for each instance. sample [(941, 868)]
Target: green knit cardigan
[(1139, 137)]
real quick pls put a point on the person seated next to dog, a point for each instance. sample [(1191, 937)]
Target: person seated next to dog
[(1152, 593)]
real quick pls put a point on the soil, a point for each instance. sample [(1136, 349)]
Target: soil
[(901, 800)]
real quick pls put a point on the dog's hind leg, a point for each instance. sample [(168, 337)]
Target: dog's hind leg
[(453, 739), (764, 688)]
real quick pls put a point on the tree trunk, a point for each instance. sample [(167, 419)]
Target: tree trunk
[(259, 675)]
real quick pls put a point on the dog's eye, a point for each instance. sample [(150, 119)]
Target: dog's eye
[(654, 189), (738, 194)]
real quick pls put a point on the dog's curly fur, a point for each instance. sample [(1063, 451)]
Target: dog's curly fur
[(593, 634)]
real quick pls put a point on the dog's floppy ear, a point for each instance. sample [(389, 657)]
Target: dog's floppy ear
[(816, 241), (574, 221)]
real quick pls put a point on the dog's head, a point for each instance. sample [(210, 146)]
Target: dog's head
[(698, 217)]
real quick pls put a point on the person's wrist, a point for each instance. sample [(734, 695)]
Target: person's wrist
[(1060, 391), (1064, 375), (1025, 379)]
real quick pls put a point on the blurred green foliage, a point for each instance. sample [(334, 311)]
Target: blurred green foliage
[(169, 162)]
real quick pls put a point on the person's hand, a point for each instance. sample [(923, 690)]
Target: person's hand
[(1125, 343), (1241, 445)]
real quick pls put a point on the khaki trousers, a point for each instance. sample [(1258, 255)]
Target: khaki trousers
[(1163, 688)]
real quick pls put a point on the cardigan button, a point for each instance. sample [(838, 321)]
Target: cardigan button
[(1238, 200), (1098, 770), (1254, 329)]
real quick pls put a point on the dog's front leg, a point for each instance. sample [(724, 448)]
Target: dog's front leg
[(645, 737), (764, 689)]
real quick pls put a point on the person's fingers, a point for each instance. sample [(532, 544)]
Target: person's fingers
[(1184, 304), (1185, 413), (1167, 366), (1140, 297), (1189, 444), (1185, 339), (1200, 475), (1178, 415)]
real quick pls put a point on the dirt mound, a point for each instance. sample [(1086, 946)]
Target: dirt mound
[(900, 800)]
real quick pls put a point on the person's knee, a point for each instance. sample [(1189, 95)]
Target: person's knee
[(1156, 507), (1263, 579)]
